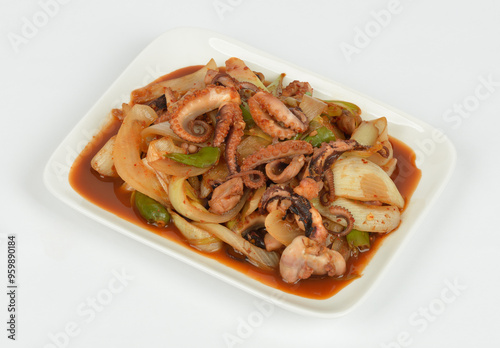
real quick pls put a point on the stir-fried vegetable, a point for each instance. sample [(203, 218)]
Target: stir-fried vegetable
[(319, 136), (337, 108), (266, 260), (312, 107), (247, 116), (205, 157), (359, 239), (197, 237), (276, 86), (307, 209), (152, 211)]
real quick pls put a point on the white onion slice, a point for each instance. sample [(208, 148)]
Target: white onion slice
[(369, 218), (360, 179), (197, 237), (282, 230), (103, 162), (193, 210), (264, 259), (127, 153)]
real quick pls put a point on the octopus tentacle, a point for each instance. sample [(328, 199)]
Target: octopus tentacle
[(221, 79), (233, 139), (229, 127), (264, 107), (192, 105), (344, 214), (273, 152), (331, 185), (328, 153), (299, 113), (224, 79), (319, 166), (266, 123), (276, 151), (308, 218), (297, 89), (291, 170), (248, 85), (210, 76), (252, 178), (224, 120), (159, 104), (384, 152)]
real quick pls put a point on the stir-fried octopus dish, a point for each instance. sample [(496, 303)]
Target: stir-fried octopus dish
[(291, 183)]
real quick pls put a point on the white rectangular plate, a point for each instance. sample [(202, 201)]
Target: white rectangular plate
[(190, 46)]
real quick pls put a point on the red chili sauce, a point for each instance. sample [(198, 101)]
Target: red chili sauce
[(106, 193)]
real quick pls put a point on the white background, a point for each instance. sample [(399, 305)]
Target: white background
[(427, 59)]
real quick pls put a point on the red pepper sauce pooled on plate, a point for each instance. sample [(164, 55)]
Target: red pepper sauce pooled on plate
[(107, 194)]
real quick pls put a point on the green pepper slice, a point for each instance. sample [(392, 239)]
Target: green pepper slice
[(323, 135), (206, 157), (359, 239), (247, 116), (152, 211)]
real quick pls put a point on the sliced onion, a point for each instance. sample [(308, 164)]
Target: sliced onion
[(197, 237), (374, 134), (261, 258), (171, 167), (103, 162), (253, 203), (164, 180), (194, 80), (163, 129), (381, 124), (127, 153), (282, 230), (366, 133), (360, 179), (380, 160), (312, 107), (195, 211), (390, 166), (369, 218), (250, 145), (217, 173), (159, 147), (237, 69), (157, 160), (244, 225)]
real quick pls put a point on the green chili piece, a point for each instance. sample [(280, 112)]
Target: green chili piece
[(323, 135), (206, 157), (152, 211), (358, 239), (247, 116)]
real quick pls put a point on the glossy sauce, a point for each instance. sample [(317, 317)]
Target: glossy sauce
[(106, 193)]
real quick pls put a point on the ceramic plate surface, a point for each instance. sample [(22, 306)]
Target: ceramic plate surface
[(190, 46)]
